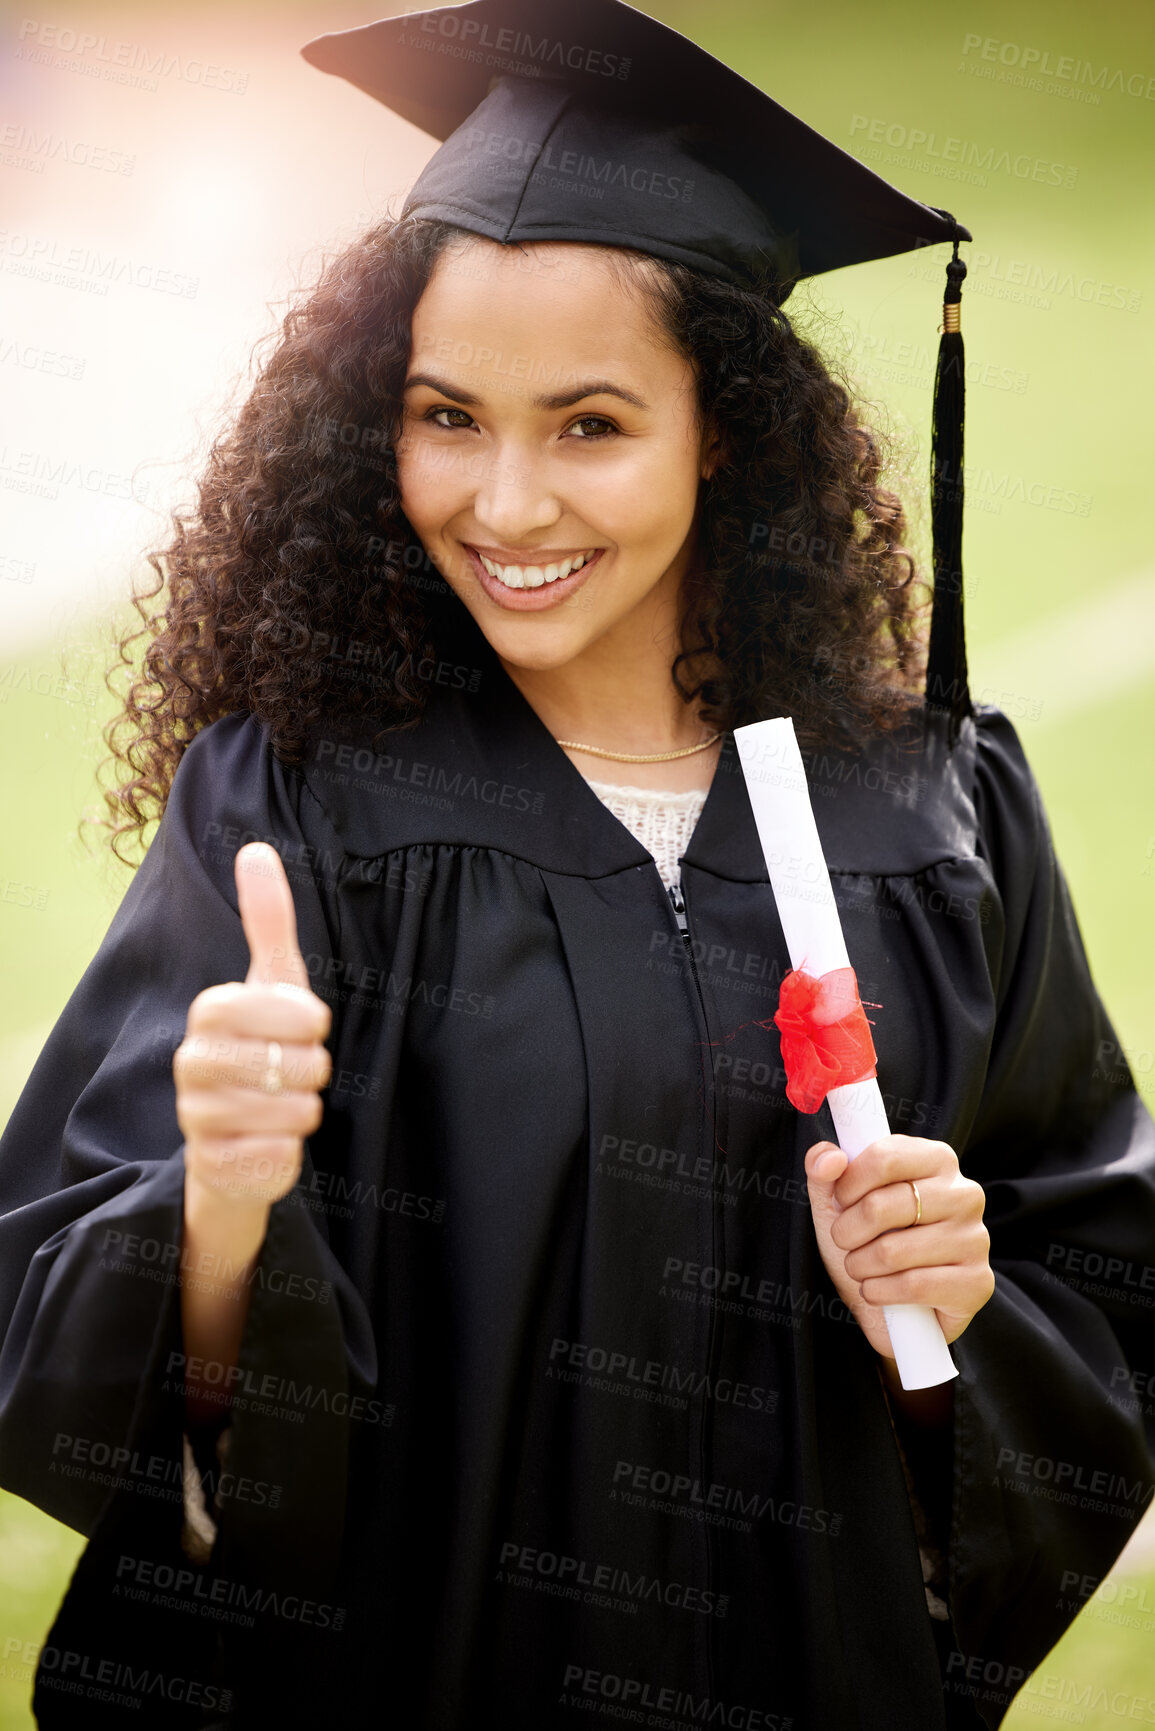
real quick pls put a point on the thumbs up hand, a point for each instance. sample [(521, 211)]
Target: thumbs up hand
[(252, 1062)]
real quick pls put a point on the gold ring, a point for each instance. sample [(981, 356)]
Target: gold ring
[(273, 1081), (918, 1200)]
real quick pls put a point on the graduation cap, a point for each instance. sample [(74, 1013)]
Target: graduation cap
[(587, 120)]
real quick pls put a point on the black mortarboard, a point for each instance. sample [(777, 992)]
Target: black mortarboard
[(587, 120)]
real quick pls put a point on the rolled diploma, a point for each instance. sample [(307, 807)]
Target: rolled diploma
[(776, 782)]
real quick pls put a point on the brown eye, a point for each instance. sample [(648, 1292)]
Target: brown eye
[(603, 427), (445, 409)]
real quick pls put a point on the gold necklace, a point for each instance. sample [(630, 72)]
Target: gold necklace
[(635, 757)]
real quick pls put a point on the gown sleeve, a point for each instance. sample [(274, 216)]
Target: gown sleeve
[(1053, 1464), (91, 1197)]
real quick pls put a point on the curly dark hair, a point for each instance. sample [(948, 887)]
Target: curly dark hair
[(801, 599)]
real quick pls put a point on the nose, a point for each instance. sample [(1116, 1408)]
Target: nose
[(514, 498)]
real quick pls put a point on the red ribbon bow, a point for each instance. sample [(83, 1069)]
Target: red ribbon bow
[(825, 1035)]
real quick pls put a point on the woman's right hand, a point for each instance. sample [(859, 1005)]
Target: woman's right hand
[(244, 1144)]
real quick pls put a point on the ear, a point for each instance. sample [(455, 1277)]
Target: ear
[(712, 452)]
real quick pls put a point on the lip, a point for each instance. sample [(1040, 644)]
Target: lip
[(530, 600)]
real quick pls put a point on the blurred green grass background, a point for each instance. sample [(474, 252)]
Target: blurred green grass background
[(1085, 708)]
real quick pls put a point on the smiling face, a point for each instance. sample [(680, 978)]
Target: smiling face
[(551, 452)]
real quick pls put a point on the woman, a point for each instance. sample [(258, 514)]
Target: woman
[(454, 1317)]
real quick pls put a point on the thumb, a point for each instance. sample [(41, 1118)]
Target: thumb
[(825, 1163), (269, 918)]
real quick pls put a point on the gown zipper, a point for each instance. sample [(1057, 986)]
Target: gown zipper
[(678, 901), (679, 907)]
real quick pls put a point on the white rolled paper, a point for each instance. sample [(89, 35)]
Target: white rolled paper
[(780, 799)]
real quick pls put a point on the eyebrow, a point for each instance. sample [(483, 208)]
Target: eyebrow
[(558, 400)]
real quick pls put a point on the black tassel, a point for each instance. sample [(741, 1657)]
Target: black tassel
[(946, 672)]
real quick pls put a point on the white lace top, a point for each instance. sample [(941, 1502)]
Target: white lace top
[(663, 821)]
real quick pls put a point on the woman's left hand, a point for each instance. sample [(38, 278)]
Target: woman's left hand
[(864, 1212)]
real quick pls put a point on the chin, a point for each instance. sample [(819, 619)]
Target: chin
[(537, 650)]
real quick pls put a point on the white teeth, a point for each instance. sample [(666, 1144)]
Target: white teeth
[(533, 576)]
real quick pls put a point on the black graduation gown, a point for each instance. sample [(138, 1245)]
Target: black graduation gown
[(547, 1412)]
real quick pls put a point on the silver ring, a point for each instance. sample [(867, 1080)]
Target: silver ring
[(918, 1199), (273, 1080)]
